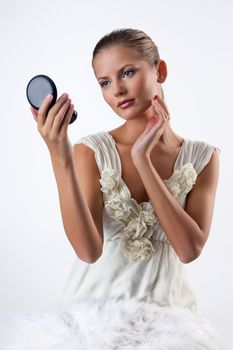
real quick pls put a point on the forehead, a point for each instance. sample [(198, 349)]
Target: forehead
[(113, 58)]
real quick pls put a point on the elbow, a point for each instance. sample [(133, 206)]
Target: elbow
[(95, 257), (193, 255), (92, 259)]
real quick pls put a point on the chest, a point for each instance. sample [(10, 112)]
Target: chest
[(163, 164)]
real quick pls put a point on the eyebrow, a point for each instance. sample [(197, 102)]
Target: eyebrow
[(126, 65)]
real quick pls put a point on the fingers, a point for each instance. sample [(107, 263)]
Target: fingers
[(66, 120), (63, 117), (53, 123), (34, 113), (45, 116), (43, 110), (159, 104), (60, 102), (53, 117), (162, 102)]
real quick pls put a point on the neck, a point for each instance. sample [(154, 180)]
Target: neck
[(130, 131)]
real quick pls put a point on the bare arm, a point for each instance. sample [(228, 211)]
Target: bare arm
[(77, 178), (81, 203), (187, 229)]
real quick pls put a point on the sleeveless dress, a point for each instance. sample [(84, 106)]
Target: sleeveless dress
[(137, 259), (137, 294)]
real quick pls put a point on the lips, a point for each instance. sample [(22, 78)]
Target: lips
[(125, 101)]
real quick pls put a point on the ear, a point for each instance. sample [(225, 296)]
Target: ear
[(162, 71)]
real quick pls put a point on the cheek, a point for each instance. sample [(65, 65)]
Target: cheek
[(147, 88), (108, 99), (151, 87), (105, 96)]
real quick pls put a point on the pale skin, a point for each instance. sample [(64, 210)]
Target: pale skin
[(147, 151)]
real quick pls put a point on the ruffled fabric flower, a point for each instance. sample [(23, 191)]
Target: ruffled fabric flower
[(181, 181), (117, 208), (109, 180), (137, 242)]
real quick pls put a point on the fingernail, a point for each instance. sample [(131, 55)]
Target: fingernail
[(49, 97), (152, 120)]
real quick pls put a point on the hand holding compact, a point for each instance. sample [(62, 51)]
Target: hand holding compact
[(53, 118), (38, 88)]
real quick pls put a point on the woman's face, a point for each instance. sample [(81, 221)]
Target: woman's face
[(123, 75)]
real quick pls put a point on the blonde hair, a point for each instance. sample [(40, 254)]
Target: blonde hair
[(131, 38)]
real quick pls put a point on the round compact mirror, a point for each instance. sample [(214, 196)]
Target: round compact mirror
[(38, 88)]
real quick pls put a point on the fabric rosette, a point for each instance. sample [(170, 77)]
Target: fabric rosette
[(114, 205), (137, 242), (182, 181), (117, 208), (137, 237), (109, 180)]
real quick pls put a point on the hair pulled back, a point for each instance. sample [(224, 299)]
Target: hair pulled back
[(136, 39)]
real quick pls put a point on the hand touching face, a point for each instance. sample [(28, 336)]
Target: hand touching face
[(153, 131)]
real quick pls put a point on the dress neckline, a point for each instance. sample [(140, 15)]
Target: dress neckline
[(120, 163)]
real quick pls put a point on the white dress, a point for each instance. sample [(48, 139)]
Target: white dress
[(136, 295), (138, 260)]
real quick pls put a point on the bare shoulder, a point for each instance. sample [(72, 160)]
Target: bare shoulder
[(85, 155), (88, 175), (210, 173)]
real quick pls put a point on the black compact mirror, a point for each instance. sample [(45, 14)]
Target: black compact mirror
[(38, 88)]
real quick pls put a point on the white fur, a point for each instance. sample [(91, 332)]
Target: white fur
[(110, 324)]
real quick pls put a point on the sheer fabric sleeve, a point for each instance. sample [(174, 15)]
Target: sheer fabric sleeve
[(202, 155)]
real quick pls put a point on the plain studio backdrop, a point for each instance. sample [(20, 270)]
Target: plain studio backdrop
[(57, 38)]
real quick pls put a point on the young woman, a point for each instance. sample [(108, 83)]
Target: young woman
[(136, 204)]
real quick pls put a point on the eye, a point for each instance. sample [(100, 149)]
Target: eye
[(127, 71), (102, 84)]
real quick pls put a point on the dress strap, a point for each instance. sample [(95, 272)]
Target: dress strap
[(198, 153), (104, 150)]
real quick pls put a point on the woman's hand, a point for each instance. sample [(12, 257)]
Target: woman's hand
[(154, 129), (53, 127)]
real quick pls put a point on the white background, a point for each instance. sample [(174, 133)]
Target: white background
[(57, 38)]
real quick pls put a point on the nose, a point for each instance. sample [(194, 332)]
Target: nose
[(119, 89)]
